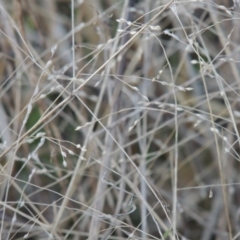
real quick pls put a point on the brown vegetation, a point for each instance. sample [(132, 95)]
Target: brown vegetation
[(119, 119)]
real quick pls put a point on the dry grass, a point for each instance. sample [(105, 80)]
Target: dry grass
[(119, 119)]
